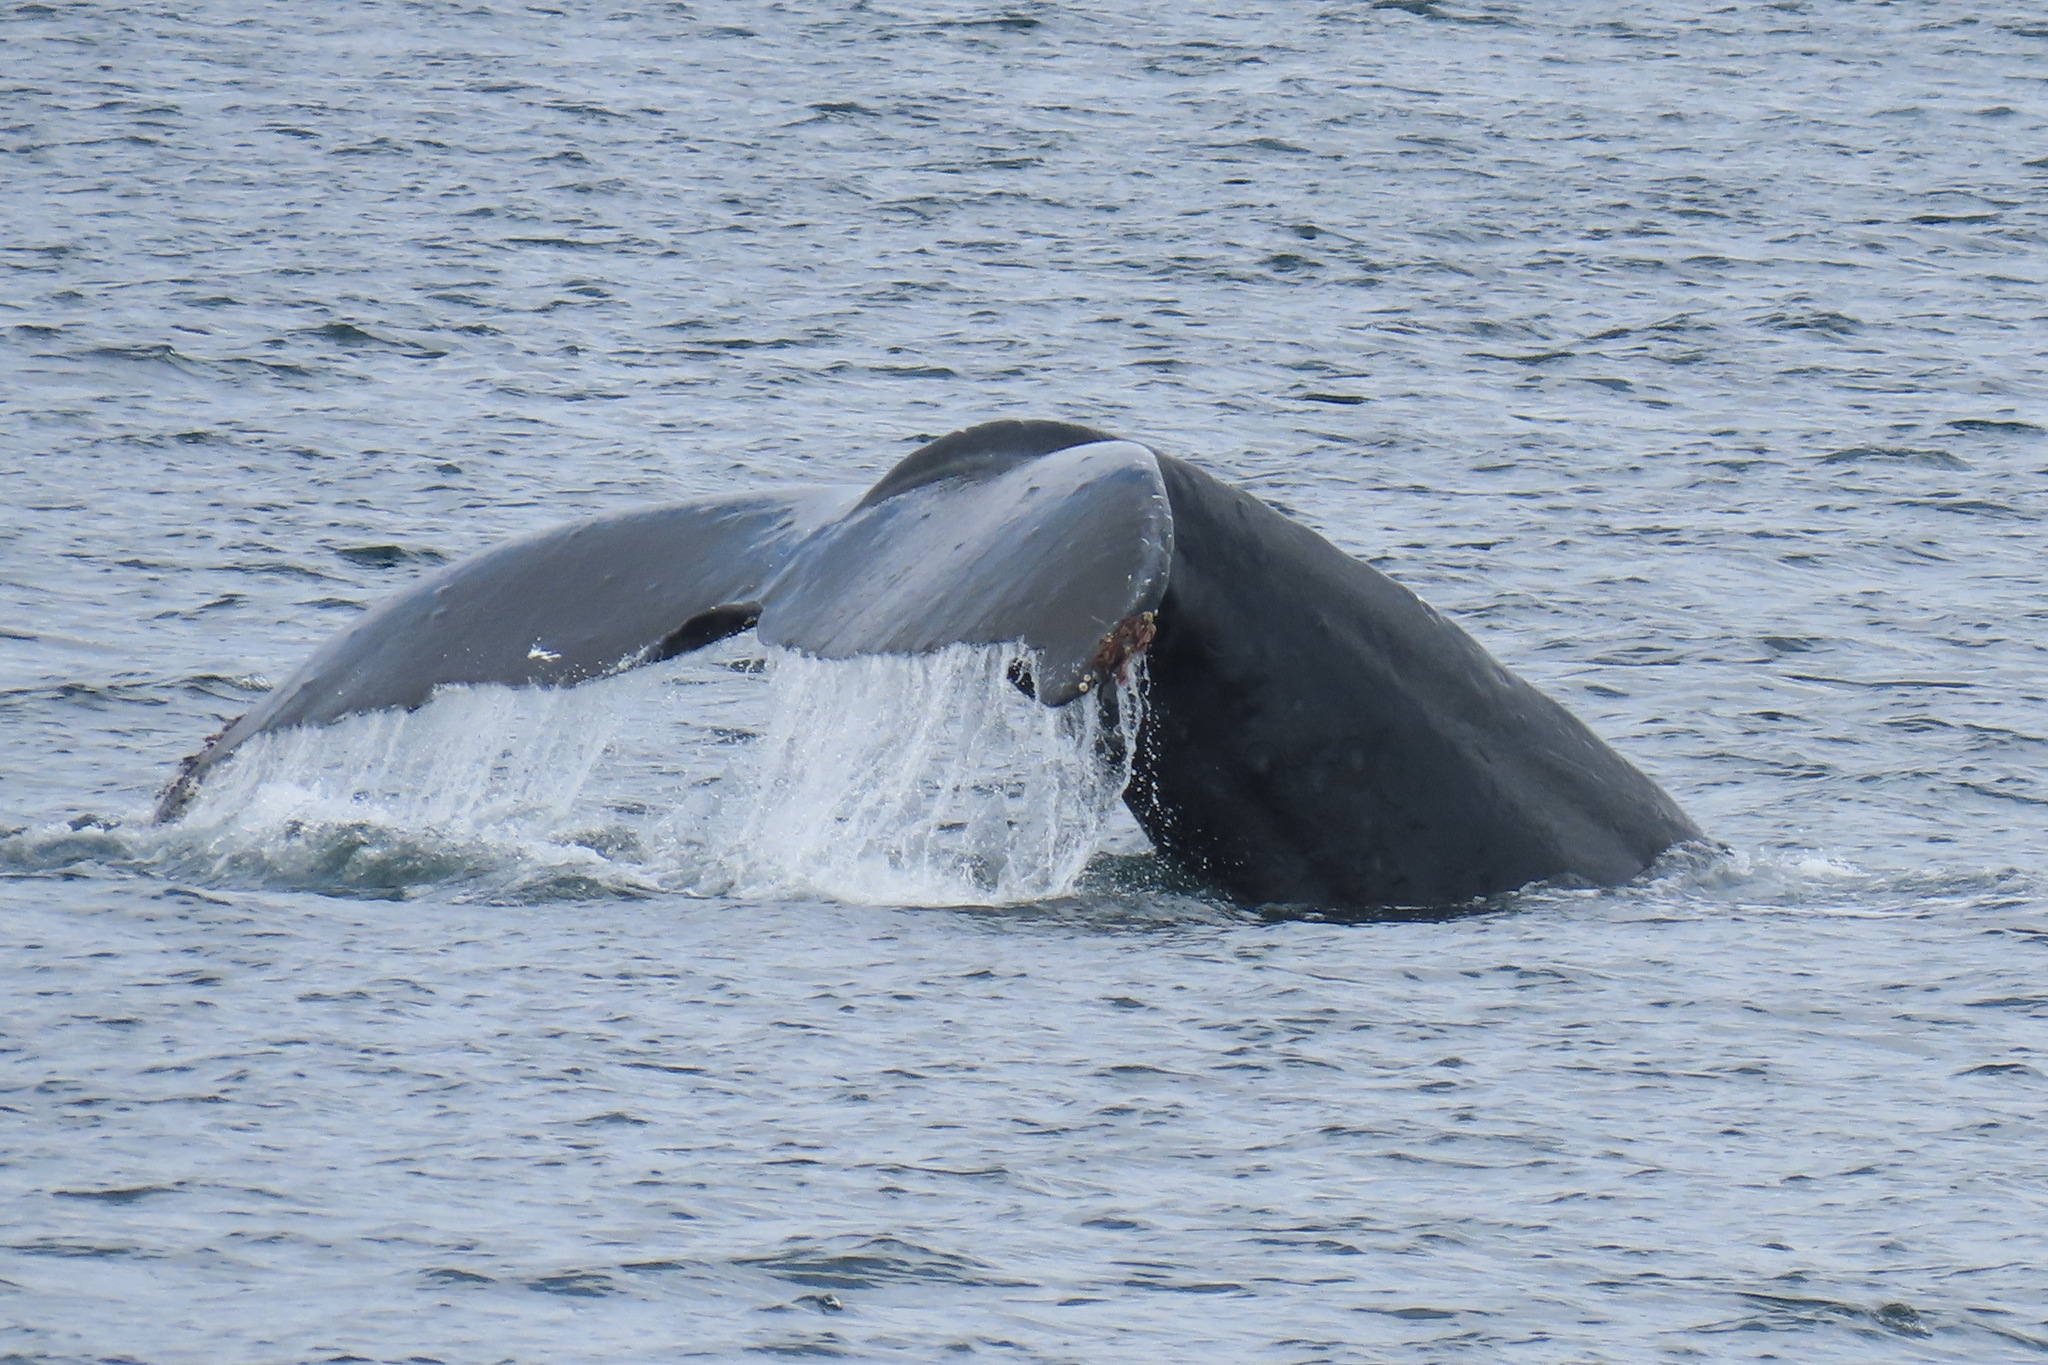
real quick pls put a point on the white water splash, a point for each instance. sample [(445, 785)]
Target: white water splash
[(474, 788), (926, 780), (914, 781), (477, 760)]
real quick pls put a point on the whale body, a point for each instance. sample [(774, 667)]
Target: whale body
[(1314, 734)]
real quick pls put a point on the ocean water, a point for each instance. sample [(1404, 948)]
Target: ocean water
[(1696, 359)]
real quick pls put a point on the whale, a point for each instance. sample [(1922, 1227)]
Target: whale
[(1313, 734)]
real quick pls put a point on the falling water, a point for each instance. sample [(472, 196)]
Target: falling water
[(927, 780), (480, 785), (477, 759)]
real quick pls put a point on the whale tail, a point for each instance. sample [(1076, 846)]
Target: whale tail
[(1041, 532), (1314, 733)]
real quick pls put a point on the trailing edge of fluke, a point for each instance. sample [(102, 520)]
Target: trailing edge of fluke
[(1314, 733)]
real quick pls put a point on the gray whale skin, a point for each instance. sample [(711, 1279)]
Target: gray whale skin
[(1314, 735)]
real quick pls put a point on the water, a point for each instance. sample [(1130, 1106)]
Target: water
[(924, 781), (1693, 360)]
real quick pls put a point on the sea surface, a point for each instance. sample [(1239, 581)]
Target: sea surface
[(1695, 358)]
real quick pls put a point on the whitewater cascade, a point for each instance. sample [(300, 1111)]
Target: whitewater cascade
[(909, 780), (927, 780)]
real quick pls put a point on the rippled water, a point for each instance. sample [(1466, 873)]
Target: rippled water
[(1694, 360)]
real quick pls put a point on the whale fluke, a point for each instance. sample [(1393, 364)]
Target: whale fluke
[(984, 547), (549, 610), (1314, 733)]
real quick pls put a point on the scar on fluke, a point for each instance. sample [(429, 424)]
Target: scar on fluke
[(1312, 734), (1112, 657), (1132, 636), (184, 784)]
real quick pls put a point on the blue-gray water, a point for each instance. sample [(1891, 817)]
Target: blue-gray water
[(1695, 360)]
